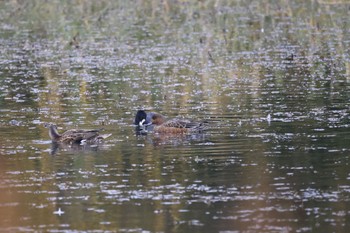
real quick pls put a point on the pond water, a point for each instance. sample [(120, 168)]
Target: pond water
[(271, 79)]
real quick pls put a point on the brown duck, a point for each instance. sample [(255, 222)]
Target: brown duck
[(161, 125), (76, 135)]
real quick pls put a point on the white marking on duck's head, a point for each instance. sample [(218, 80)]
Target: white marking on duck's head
[(141, 122)]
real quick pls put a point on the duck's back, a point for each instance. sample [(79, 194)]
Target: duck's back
[(77, 135), (179, 126)]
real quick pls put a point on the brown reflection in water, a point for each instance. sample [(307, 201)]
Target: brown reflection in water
[(9, 200), (22, 198)]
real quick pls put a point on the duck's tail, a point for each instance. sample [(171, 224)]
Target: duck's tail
[(104, 136), (200, 126)]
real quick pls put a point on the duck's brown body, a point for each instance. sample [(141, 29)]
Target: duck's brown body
[(76, 135), (174, 126)]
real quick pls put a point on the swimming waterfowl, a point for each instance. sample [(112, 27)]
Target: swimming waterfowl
[(161, 125), (76, 135), (142, 118)]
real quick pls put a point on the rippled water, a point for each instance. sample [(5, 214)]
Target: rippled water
[(271, 80)]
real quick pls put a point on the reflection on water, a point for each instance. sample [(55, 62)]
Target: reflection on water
[(76, 148), (271, 80)]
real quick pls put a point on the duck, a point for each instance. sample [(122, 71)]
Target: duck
[(160, 124), (76, 136), (143, 119)]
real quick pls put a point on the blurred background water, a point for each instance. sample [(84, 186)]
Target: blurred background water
[(271, 78)]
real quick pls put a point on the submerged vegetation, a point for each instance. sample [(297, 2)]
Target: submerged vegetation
[(201, 44)]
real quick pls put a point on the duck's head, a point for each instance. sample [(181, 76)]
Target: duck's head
[(53, 133), (142, 118)]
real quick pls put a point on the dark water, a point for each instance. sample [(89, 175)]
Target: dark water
[(272, 80)]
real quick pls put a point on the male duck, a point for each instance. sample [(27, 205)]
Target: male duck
[(161, 125), (76, 135)]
